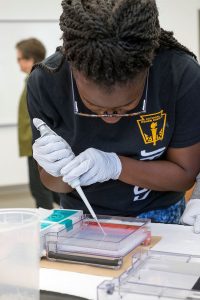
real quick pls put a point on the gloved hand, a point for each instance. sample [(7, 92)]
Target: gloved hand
[(52, 153), (92, 166), (191, 214)]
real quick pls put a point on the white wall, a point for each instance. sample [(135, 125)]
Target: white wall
[(13, 170), (30, 9), (181, 16)]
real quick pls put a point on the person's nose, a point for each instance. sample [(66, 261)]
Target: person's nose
[(110, 112)]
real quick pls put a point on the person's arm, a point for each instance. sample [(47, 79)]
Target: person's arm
[(177, 173), (53, 183)]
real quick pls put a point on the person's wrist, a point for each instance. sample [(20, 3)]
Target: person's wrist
[(117, 166)]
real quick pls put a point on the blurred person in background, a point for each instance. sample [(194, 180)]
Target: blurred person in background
[(29, 52)]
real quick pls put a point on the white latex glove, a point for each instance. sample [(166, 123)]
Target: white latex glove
[(191, 214), (92, 166), (52, 153)]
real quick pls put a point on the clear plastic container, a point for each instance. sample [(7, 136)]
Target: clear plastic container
[(57, 220), (155, 276), (19, 255), (84, 242)]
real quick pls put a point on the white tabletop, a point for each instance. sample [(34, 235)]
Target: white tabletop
[(175, 239)]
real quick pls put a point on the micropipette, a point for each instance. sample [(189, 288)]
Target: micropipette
[(45, 130)]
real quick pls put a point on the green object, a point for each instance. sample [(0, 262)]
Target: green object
[(24, 127), (58, 215), (44, 225), (68, 224)]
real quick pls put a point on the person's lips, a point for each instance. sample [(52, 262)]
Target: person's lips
[(111, 120)]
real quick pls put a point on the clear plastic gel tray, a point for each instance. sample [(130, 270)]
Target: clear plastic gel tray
[(85, 238), (156, 275)]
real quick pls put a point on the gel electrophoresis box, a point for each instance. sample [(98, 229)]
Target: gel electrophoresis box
[(156, 276), (85, 242)]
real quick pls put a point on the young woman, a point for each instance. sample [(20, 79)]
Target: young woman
[(123, 97)]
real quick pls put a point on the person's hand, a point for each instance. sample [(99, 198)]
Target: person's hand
[(52, 153), (191, 214), (92, 166)]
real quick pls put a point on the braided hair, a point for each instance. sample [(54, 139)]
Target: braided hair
[(112, 41)]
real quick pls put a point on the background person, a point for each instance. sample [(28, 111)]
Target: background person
[(29, 52), (123, 96)]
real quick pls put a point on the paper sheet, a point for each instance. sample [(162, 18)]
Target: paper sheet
[(176, 239), (76, 284)]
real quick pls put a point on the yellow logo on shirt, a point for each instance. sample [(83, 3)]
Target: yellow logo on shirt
[(152, 127)]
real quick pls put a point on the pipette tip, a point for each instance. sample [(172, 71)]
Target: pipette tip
[(100, 226)]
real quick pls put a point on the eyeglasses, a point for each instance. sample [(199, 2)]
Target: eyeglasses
[(135, 113), (20, 58)]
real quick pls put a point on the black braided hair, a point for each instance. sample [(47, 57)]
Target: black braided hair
[(168, 41), (112, 41)]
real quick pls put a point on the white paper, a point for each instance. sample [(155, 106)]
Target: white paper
[(76, 284), (176, 239)]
